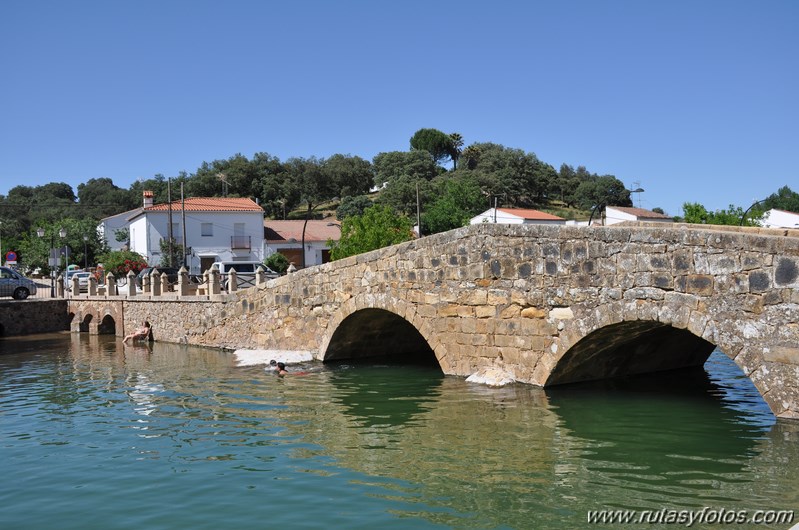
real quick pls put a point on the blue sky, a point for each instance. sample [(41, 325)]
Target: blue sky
[(690, 100)]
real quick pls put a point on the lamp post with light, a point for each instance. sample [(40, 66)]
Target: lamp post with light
[(85, 253), (52, 260)]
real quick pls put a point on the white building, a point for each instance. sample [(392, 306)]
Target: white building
[(517, 216), (620, 214), (286, 237), (780, 219), (216, 229), (110, 226)]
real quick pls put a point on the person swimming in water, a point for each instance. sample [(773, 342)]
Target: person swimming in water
[(281, 369)]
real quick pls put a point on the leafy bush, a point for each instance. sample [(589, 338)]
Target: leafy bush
[(120, 262), (277, 262)]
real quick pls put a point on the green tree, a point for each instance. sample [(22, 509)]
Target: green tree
[(471, 155), (353, 206), (418, 165), (607, 190), (99, 198), (171, 255), (378, 227), (277, 262), (348, 175), (157, 184), (697, 214), (404, 172), (435, 142), (783, 199), (456, 145), (521, 177), (35, 251), (458, 201)]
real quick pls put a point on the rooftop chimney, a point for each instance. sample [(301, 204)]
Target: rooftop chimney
[(148, 198)]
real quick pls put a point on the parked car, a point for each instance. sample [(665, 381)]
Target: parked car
[(245, 272), (171, 274), (15, 285), (83, 280)]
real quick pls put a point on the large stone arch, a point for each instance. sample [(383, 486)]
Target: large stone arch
[(638, 336), (379, 310)]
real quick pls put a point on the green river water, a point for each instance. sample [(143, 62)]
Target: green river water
[(99, 435)]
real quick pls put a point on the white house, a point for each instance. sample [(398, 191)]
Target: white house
[(110, 226), (780, 219), (620, 214), (517, 216), (217, 229), (286, 237)]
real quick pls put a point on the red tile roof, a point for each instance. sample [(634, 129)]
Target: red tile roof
[(531, 214), (210, 204), (640, 213), (317, 230)]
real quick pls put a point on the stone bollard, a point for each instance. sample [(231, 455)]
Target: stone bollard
[(59, 287), (207, 282), (183, 282), (232, 281), (260, 277), (131, 284), (164, 283), (291, 268), (110, 285), (92, 286), (145, 284), (155, 283), (214, 287), (75, 287)]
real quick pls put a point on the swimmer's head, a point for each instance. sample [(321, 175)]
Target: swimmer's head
[(273, 363), (281, 366)]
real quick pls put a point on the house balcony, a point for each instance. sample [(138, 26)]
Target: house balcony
[(241, 242)]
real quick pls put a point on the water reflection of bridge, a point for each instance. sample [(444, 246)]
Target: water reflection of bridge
[(513, 455)]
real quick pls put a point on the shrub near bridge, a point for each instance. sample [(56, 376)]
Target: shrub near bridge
[(120, 262)]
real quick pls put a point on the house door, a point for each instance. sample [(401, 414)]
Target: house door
[(206, 262), (294, 255)]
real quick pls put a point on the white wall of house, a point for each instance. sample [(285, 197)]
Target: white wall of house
[(614, 216), (314, 251), (223, 236), (507, 218), (780, 219), (110, 225)]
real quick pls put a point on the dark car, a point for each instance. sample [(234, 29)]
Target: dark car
[(171, 274)]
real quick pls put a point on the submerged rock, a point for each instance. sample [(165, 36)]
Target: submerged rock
[(491, 376)]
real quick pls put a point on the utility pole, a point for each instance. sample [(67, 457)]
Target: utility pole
[(169, 232)]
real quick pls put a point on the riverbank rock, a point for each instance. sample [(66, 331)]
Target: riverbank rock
[(491, 377), (255, 357)]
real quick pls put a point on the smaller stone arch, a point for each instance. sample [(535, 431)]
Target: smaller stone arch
[(366, 326), (106, 326), (85, 323)]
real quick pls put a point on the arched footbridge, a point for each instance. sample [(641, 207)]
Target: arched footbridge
[(546, 305)]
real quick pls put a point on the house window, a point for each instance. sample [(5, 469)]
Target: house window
[(207, 229)]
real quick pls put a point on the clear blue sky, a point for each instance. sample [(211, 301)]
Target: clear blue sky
[(690, 100)]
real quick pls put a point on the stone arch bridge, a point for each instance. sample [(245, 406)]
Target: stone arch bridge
[(545, 305)]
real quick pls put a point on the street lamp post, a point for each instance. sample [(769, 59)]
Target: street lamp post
[(50, 260), (62, 233), (85, 254)]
